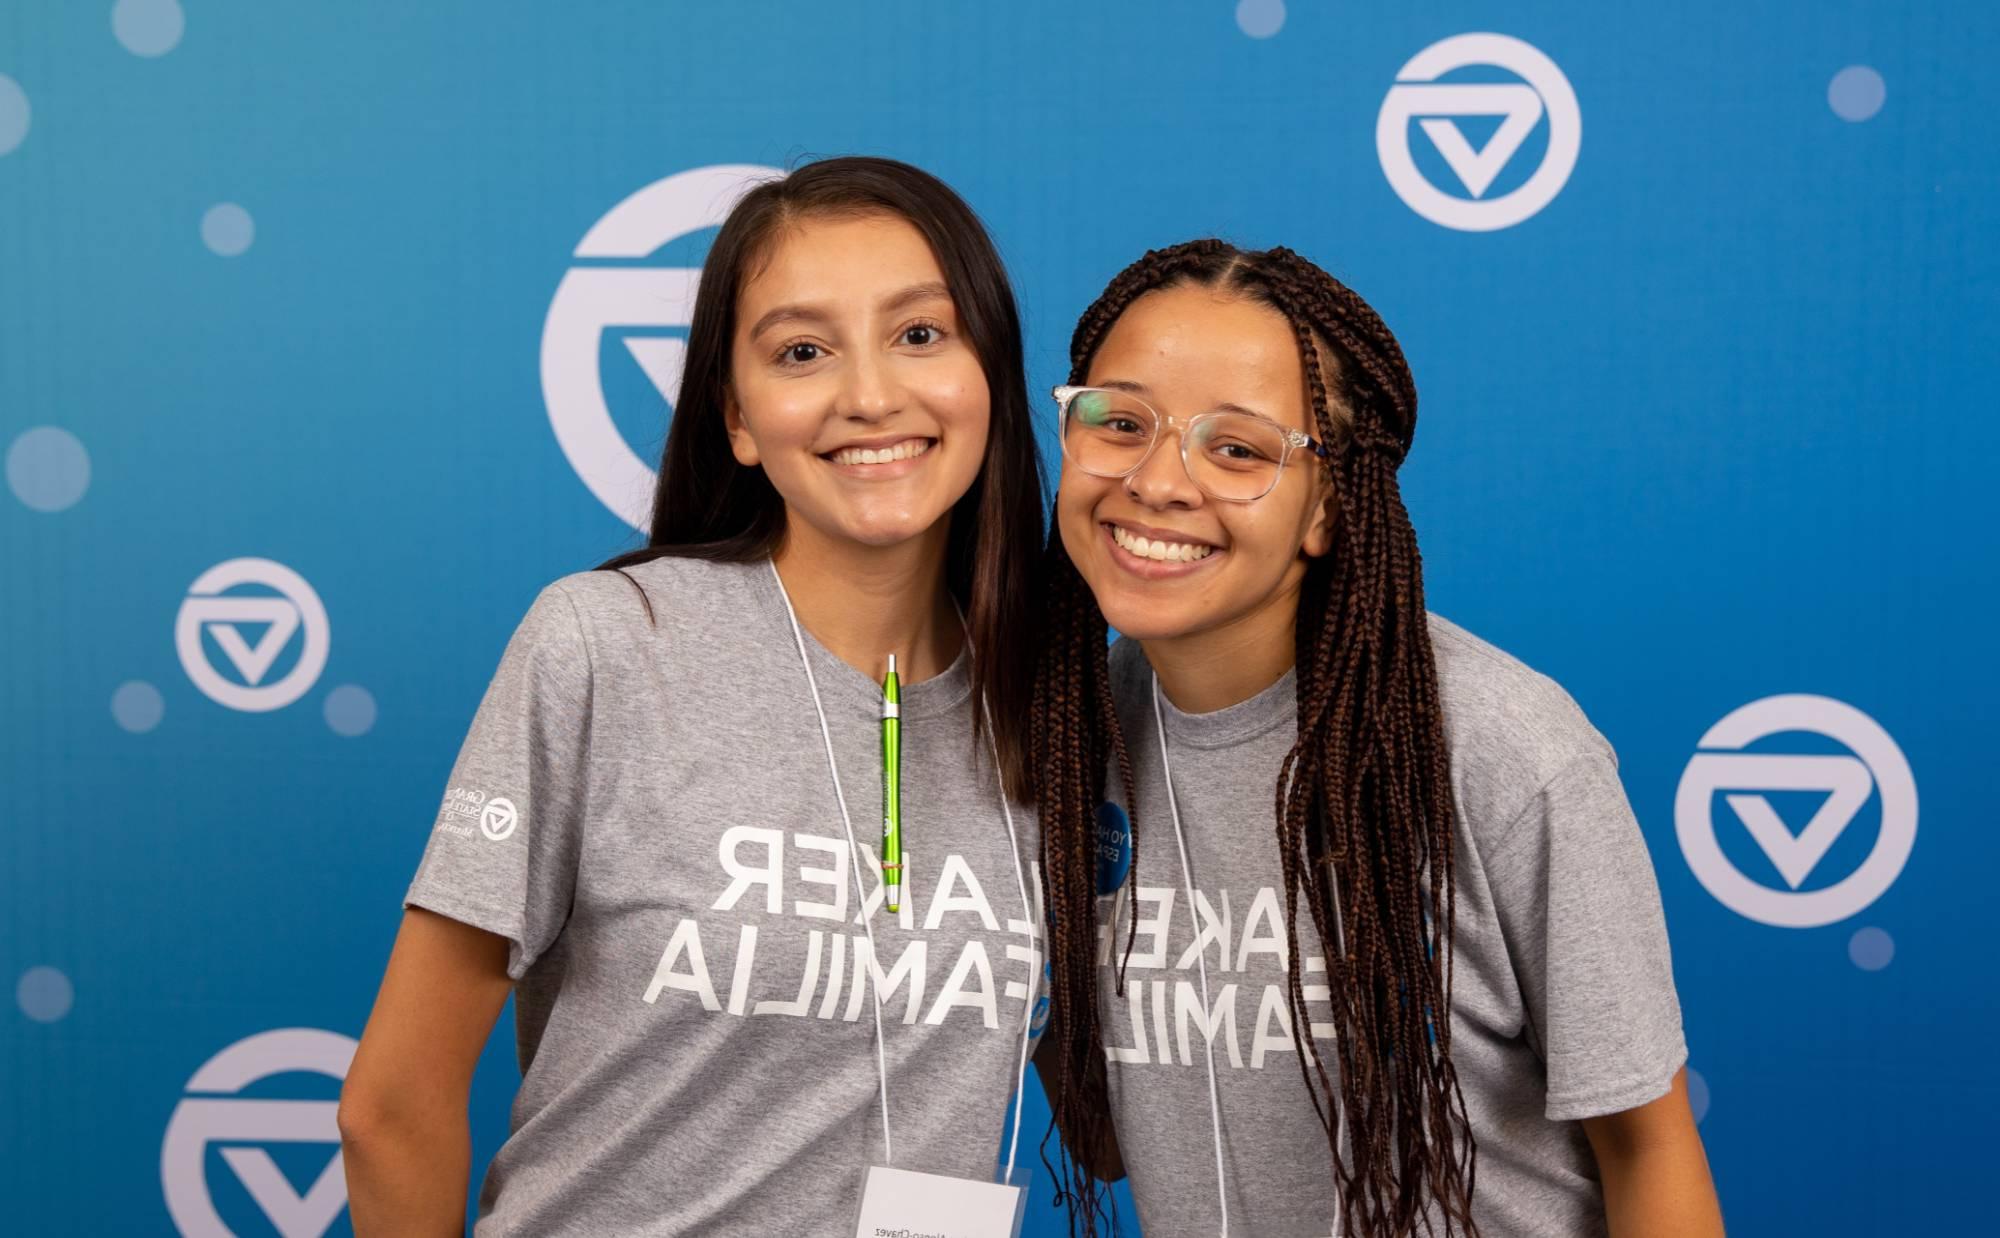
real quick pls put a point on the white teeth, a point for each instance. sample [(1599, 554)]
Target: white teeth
[(882, 455), (1160, 551)]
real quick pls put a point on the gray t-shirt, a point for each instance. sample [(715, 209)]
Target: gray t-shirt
[(645, 812), (1563, 1003)]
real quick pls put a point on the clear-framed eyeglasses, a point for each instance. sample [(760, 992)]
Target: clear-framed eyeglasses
[(1236, 457)]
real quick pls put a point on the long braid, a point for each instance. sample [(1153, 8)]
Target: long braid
[(1363, 800), (1077, 741)]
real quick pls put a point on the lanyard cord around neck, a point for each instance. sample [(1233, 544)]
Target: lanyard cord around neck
[(867, 921), (1034, 955), (1200, 955)]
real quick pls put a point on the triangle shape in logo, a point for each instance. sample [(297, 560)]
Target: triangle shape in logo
[(662, 357), (1847, 783), (253, 662), (1519, 107), (291, 1214)]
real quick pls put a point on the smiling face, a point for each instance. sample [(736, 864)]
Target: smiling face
[(852, 383), (1224, 566)]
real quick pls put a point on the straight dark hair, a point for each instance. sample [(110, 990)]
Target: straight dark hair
[(708, 506)]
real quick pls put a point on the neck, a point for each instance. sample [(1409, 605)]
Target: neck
[(1206, 671), (866, 602)]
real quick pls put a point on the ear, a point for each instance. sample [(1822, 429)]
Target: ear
[(741, 445), (1325, 519)]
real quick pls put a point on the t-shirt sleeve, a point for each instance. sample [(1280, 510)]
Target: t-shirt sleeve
[(1580, 911), (502, 855)]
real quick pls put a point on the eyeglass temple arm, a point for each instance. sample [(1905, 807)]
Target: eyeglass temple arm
[(1299, 438)]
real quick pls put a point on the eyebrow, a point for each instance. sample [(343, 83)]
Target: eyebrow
[(931, 291), (902, 299), (1140, 389)]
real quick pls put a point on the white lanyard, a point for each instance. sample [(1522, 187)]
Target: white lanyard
[(1201, 960), (867, 921)]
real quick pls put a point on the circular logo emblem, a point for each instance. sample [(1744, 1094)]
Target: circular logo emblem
[(592, 298), (252, 629), (247, 1127), (498, 818), (1540, 89), (1876, 764)]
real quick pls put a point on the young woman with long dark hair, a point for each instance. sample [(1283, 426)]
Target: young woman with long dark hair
[(1348, 818), (660, 833)]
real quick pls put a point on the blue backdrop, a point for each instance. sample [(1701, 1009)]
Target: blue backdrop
[(1701, 298)]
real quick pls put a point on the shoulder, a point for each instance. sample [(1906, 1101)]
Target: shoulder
[(1509, 727), (670, 593)]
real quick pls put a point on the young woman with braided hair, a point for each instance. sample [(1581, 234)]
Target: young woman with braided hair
[(1448, 833)]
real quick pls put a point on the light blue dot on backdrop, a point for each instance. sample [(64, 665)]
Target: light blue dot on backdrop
[(44, 994), (1871, 949), (48, 469), (1697, 1095), (148, 27), (137, 706), (1260, 19), (13, 114), (228, 229), (1856, 93), (350, 710)]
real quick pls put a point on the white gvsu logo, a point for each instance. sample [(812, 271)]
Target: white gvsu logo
[(225, 615), (241, 1122), (1418, 95), (592, 298), (1876, 764), (497, 816)]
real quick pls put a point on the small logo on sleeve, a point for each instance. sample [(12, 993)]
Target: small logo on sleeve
[(497, 817)]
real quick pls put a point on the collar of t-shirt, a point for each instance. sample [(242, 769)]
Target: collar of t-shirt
[(846, 689), (1234, 724)]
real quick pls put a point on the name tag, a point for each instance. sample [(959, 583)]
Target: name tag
[(899, 1203)]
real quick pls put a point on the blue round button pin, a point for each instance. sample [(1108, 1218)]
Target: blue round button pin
[(1114, 847)]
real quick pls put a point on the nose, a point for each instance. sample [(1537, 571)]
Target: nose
[(868, 390), (1162, 479)]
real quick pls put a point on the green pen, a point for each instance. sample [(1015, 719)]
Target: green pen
[(892, 790)]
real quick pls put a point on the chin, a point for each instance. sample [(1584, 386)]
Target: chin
[(886, 529), (1145, 620)]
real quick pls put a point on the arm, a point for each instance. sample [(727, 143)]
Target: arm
[(404, 1134), (1656, 1180)]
